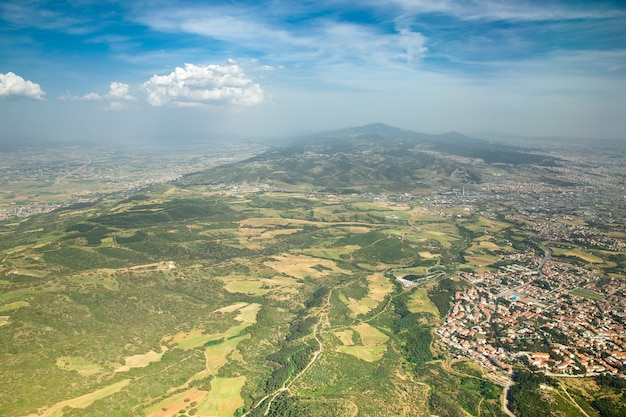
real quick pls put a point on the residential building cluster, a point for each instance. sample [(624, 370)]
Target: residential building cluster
[(556, 316)]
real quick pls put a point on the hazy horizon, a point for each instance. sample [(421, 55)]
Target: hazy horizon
[(87, 72)]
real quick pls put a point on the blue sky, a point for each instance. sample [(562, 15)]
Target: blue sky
[(92, 70)]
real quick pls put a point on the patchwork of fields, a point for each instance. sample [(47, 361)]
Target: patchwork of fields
[(191, 302)]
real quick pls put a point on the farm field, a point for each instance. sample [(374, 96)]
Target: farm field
[(169, 292)]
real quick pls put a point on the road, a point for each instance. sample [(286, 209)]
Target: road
[(505, 399), (547, 255)]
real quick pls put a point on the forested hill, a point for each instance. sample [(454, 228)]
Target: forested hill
[(370, 158)]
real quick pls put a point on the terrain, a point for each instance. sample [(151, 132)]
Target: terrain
[(318, 278)]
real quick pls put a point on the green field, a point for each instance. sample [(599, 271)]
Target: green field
[(161, 287), (592, 295)]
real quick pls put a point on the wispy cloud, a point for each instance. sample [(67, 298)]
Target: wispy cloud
[(511, 10), (316, 41), (43, 15), (197, 85), (235, 25), (12, 86)]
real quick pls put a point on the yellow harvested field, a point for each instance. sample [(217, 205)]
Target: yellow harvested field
[(481, 260), (365, 353), (192, 339), (252, 285), (86, 400), (231, 308), (217, 355), (244, 285), (362, 306), (345, 337), (248, 313), (172, 406), (420, 303), (197, 337), (152, 266), (141, 361), (370, 335), (270, 234), (428, 255), (223, 399), (78, 364), (489, 245), (302, 266), (373, 344), (379, 287), (357, 229)]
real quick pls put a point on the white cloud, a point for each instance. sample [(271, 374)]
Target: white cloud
[(196, 85), (119, 92), (117, 96), (91, 97), (13, 86)]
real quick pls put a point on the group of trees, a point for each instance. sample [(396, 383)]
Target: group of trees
[(524, 397)]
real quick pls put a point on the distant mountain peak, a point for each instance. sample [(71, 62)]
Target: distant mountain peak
[(369, 129), (379, 125), (454, 133)]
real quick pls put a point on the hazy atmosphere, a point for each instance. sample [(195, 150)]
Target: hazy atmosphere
[(237, 208), (87, 70)]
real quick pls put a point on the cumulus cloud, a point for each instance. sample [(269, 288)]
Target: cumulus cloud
[(196, 85), (117, 96), (13, 86)]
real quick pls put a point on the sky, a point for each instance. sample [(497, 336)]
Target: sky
[(150, 70)]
